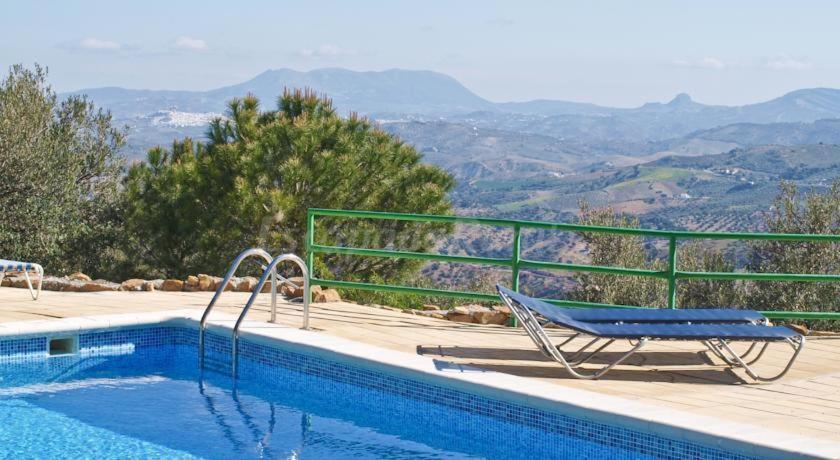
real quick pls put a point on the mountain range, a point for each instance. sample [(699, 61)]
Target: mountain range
[(432, 93), (680, 164), (157, 116)]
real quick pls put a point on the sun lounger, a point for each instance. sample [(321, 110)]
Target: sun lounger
[(715, 336), (25, 267)]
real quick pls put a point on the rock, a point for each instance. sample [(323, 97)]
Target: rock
[(430, 307), (799, 328), (133, 284), (267, 286), (79, 276), (452, 316), (460, 314), (489, 317), (502, 308), (149, 286), (7, 281), (326, 295), (437, 314), (246, 284), (461, 310), (98, 286), (158, 284), (293, 291), (172, 285), (191, 284), (206, 282), (217, 282), (20, 282)]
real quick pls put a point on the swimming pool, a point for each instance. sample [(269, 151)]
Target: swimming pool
[(137, 392)]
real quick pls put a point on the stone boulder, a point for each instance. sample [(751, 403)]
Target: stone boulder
[(325, 295), (460, 314), (191, 284), (293, 291), (478, 314), (99, 286), (79, 276), (217, 283), (133, 284), (246, 284), (437, 314), (149, 286), (206, 282), (172, 285)]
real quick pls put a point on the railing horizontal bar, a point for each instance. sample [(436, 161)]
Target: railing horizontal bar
[(806, 315), (758, 276), (410, 255), (576, 227), (591, 268)]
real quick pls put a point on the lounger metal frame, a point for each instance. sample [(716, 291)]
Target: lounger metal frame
[(25, 267), (720, 347)]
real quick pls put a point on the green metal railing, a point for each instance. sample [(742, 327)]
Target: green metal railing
[(516, 262)]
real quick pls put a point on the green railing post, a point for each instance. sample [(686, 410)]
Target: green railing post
[(515, 258), (310, 242), (672, 272)]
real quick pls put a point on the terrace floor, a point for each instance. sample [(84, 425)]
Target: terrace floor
[(805, 402)]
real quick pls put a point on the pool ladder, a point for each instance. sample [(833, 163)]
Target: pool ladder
[(269, 272)]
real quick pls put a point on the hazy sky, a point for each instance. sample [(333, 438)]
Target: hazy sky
[(619, 53)]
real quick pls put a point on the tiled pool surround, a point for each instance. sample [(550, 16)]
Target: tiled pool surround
[(267, 349)]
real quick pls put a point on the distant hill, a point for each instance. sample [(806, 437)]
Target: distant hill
[(726, 191), (745, 134), (423, 93), (389, 91)]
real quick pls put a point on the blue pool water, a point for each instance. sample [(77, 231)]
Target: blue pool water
[(137, 393)]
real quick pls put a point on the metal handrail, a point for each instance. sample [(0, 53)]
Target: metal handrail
[(231, 271), (271, 268), (672, 275)]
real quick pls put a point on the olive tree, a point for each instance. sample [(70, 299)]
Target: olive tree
[(58, 176)]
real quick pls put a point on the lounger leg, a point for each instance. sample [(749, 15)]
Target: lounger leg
[(717, 352), (40, 271), (537, 333), (797, 349), (600, 372), (559, 345), (29, 284), (591, 354)]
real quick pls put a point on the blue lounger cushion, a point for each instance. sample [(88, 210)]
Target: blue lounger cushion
[(663, 315), (12, 265), (654, 331)]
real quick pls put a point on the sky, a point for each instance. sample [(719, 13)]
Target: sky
[(617, 53)]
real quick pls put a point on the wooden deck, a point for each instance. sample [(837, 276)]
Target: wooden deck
[(673, 375)]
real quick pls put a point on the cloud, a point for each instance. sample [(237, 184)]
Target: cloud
[(326, 52), (96, 44), (705, 63), (784, 62), (190, 44)]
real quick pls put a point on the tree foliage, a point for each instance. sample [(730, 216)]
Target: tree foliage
[(792, 212), (797, 212), (58, 176), (193, 207)]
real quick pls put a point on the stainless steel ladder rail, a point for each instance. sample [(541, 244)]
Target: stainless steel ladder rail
[(271, 268), (253, 252)]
